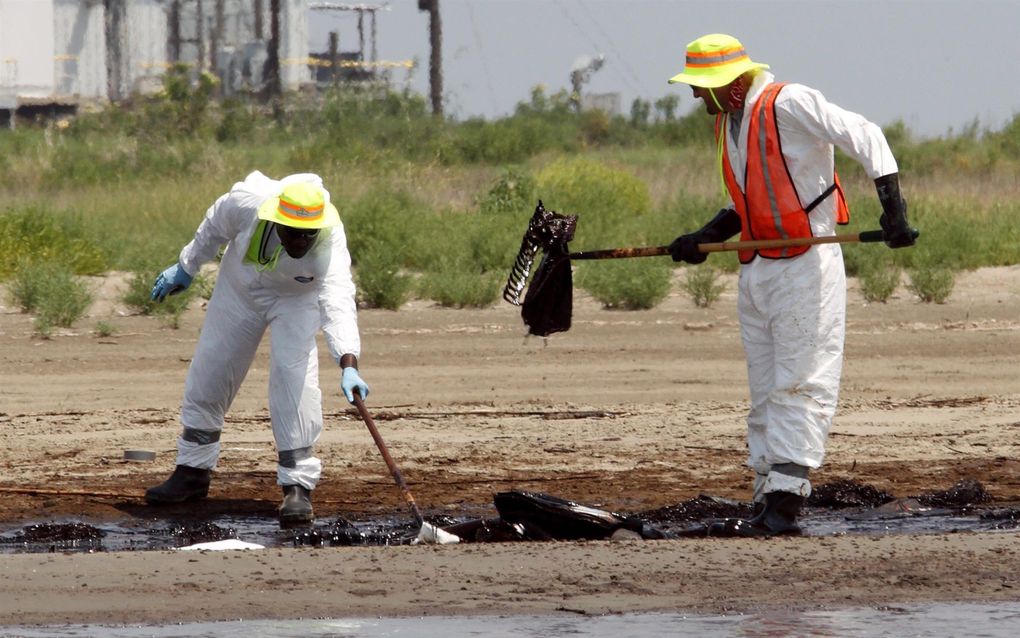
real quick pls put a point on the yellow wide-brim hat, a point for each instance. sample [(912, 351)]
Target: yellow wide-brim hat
[(715, 60), (300, 205)]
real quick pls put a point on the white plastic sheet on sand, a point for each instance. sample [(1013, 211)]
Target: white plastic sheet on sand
[(230, 543)]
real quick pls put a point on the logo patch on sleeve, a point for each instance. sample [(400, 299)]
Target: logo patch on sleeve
[(303, 279)]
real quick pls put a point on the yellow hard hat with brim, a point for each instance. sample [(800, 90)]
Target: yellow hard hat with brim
[(300, 205), (715, 60)]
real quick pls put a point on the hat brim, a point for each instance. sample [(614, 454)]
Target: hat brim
[(715, 80), (270, 211)]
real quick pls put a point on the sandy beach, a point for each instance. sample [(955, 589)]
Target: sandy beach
[(627, 411)]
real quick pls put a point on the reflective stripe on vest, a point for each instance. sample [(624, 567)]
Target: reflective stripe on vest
[(769, 206), (257, 248)]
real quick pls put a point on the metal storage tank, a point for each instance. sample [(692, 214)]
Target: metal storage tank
[(145, 50), (294, 71), (58, 50), (71, 52), (79, 50)]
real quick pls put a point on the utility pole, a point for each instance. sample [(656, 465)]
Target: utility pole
[(361, 35), (200, 34), (115, 22), (273, 88), (334, 57), (258, 19), (216, 41), (175, 30), (435, 56)]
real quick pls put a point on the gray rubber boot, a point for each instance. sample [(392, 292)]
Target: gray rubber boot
[(297, 506), (185, 484)]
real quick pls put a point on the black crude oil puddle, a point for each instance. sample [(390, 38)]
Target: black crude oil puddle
[(148, 535), (839, 508)]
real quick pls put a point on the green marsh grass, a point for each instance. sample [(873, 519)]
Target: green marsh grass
[(447, 202), (35, 234)]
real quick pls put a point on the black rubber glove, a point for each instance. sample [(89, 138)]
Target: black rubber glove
[(894, 224), (685, 248), (724, 225)]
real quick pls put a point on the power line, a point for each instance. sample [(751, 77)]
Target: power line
[(570, 18), (481, 54), (612, 47), (595, 45)]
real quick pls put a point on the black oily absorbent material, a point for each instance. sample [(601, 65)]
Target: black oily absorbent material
[(548, 305)]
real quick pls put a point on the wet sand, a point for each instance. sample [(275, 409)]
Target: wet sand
[(628, 411), (595, 577)]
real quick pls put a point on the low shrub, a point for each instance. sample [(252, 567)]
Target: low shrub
[(170, 309), (459, 288), (379, 280), (878, 276), (385, 219), (702, 284), (626, 284), (931, 274), (931, 283), (51, 292), (879, 279), (105, 329), (513, 192), (604, 198)]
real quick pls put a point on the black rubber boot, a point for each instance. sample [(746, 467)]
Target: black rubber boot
[(757, 508), (185, 484), (297, 506), (779, 517)]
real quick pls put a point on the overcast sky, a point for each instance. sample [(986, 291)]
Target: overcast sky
[(935, 64)]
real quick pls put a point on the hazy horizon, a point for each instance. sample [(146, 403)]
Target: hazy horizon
[(928, 63)]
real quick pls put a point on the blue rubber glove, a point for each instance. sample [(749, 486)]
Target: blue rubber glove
[(170, 282), (352, 381)]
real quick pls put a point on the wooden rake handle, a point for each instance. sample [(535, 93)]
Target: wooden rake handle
[(868, 236), (379, 443)]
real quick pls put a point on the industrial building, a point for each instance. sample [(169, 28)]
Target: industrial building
[(64, 54)]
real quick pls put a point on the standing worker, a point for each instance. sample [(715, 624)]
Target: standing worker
[(775, 149), (286, 267)]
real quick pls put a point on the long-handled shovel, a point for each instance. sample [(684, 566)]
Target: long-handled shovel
[(547, 306), (429, 533)]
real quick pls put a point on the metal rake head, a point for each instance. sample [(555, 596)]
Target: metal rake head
[(547, 230)]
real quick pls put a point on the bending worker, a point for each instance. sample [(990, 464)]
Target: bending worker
[(286, 267), (775, 144)]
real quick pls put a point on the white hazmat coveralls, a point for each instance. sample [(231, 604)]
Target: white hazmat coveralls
[(792, 311), (293, 300)]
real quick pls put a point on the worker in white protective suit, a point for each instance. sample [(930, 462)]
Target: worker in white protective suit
[(286, 268), (775, 150)]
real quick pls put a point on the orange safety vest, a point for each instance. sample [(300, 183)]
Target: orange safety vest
[(770, 208)]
